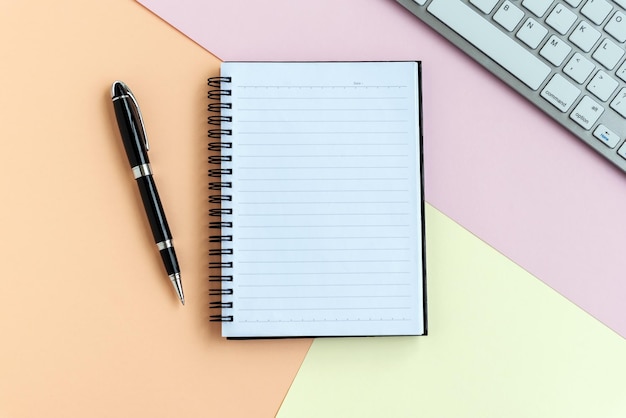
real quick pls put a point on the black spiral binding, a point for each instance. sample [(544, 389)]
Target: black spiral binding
[(219, 174)]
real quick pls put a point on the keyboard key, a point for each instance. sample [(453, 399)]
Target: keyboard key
[(505, 51), (532, 33), (617, 27), (537, 7), (622, 151), (602, 86), (621, 71), (561, 19), (596, 10), (606, 136), (508, 16), (584, 36), (619, 103), (608, 54), (587, 112), (555, 50), (621, 3), (579, 68), (560, 93), (573, 3), (485, 6)]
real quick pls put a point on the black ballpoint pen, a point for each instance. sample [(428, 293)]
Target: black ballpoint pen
[(133, 133)]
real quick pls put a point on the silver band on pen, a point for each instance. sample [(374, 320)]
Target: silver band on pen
[(142, 170), (164, 244)]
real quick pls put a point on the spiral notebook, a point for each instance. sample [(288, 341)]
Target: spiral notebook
[(317, 171)]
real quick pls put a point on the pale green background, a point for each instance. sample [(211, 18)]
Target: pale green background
[(502, 344)]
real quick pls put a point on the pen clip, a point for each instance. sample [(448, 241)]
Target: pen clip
[(137, 113)]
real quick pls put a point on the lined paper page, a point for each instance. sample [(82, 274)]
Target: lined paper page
[(326, 203)]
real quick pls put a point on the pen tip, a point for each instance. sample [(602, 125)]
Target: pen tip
[(178, 287)]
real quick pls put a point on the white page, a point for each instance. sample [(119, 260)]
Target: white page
[(327, 201)]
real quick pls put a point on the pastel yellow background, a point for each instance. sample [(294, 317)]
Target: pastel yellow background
[(501, 344), (89, 323), (91, 327)]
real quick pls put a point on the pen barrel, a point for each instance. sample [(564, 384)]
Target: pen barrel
[(131, 133), (168, 255), (154, 209)]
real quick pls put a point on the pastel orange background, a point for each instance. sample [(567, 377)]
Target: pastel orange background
[(90, 325)]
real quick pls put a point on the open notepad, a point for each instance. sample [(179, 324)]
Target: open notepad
[(321, 204)]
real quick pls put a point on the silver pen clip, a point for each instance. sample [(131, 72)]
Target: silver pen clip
[(137, 112)]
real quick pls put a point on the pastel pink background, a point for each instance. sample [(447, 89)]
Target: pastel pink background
[(493, 162)]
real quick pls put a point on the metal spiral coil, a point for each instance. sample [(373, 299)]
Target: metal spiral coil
[(220, 185)]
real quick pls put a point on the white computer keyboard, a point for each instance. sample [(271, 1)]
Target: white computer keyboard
[(566, 56)]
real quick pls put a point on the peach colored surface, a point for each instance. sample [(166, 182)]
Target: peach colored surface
[(493, 162), (90, 325)]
